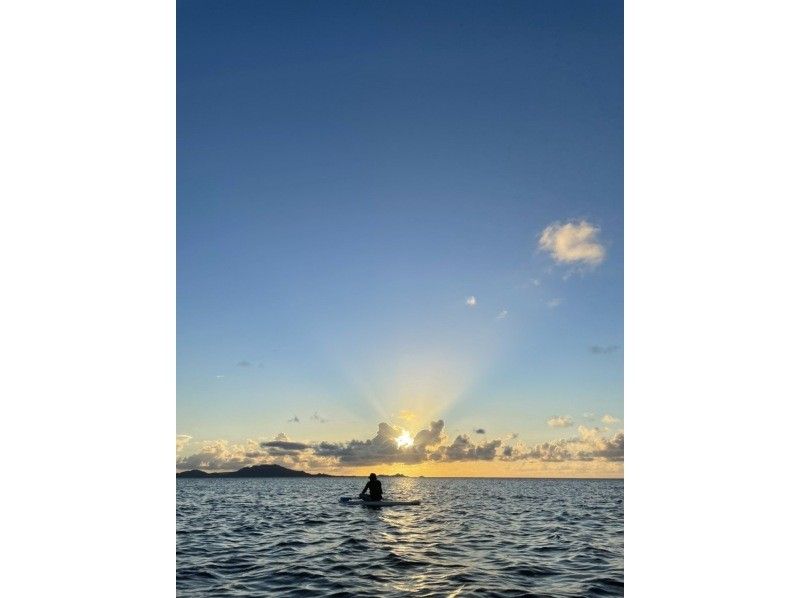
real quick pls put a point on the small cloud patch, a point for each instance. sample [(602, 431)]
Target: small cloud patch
[(180, 441), (573, 243), (560, 421)]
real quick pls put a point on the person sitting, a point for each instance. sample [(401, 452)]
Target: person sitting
[(374, 487)]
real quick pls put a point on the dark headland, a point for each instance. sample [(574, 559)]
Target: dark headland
[(254, 471)]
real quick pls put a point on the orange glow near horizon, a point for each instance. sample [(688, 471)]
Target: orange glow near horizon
[(490, 469)]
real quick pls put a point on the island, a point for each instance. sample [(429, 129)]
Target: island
[(254, 471)]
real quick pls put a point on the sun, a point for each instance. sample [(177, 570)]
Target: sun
[(404, 440)]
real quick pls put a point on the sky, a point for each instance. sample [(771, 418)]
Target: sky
[(400, 237)]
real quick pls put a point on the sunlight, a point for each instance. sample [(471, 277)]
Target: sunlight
[(404, 440)]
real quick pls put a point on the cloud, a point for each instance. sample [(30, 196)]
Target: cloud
[(589, 445), (479, 431), (503, 314), (598, 350), (560, 421), (509, 453), (573, 243), (554, 303), (608, 419), (244, 364), (588, 415), (612, 449), (607, 448), (471, 301), (293, 420), (285, 445), (430, 445), (550, 451), (378, 450), (318, 418), (220, 376), (281, 446), (463, 449), (431, 435), (220, 455), (383, 449), (180, 441)]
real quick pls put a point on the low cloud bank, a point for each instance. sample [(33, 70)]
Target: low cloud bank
[(431, 444)]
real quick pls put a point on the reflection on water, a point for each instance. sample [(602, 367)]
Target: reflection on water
[(291, 537)]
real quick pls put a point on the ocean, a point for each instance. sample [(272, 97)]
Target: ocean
[(469, 537)]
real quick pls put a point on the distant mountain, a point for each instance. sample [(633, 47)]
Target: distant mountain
[(254, 471)]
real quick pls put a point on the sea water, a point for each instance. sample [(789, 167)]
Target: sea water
[(469, 537)]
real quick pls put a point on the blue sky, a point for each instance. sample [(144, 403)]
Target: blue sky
[(349, 175)]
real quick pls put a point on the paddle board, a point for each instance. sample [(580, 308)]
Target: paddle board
[(378, 503)]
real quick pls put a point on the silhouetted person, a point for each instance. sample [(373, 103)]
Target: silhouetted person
[(374, 487)]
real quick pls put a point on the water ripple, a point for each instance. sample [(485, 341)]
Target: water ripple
[(291, 537)]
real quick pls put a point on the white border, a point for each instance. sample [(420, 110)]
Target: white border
[(711, 327), (87, 238), (87, 245)]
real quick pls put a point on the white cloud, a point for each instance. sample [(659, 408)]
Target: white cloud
[(503, 314), (180, 441), (589, 445), (220, 455), (573, 243), (471, 301), (554, 303), (559, 421), (608, 420)]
